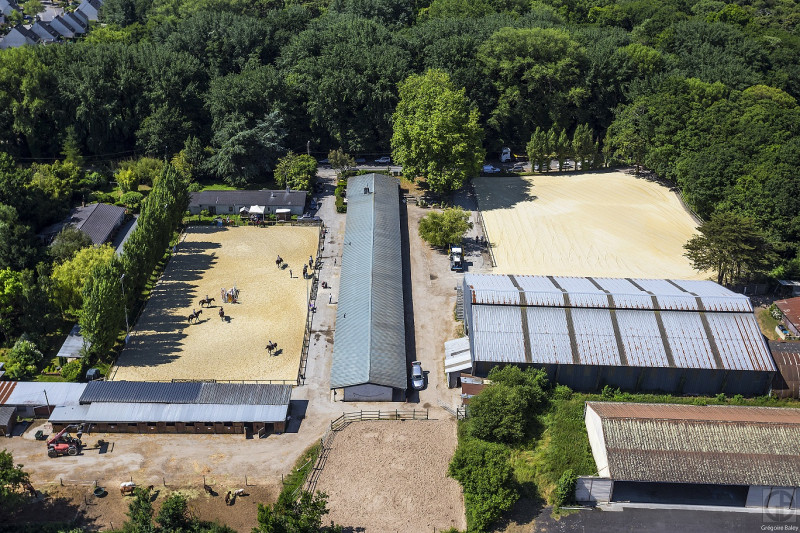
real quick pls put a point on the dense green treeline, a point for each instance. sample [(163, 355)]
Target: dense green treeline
[(703, 93)]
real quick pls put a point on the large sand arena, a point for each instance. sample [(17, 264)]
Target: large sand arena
[(391, 477), (271, 307), (610, 224)]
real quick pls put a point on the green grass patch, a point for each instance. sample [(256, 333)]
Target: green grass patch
[(767, 323), (218, 187), (48, 379), (302, 467)]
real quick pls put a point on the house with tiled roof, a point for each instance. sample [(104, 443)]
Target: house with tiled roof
[(19, 36), (97, 221), (90, 9), (45, 32)]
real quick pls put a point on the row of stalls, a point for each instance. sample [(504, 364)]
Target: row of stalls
[(149, 407)]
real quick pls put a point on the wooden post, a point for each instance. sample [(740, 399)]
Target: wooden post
[(164, 480), (62, 481)]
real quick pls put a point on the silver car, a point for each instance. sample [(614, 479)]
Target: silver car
[(417, 377)]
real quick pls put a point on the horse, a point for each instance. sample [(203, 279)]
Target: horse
[(127, 488), (27, 486), (271, 346), (206, 301), (279, 261), (221, 313), (195, 315)]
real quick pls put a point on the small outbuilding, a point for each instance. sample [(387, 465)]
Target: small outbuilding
[(33, 398), (8, 417), (71, 349), (790, 309), (457, 359)]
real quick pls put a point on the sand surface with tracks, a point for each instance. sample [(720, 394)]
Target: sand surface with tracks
[(391, 476), (605, 224), (271, 306)]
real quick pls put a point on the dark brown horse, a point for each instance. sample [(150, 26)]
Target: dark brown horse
[(222, 313), (206, 301), (195, 316)]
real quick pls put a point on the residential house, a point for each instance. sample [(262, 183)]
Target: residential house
[(62, 26), (45, 31), (78, 21), (90, 9), (98, 221), (8, 6), (18, 36)]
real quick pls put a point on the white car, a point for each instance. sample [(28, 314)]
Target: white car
[(417, 377), (385, 160), (490, 169)]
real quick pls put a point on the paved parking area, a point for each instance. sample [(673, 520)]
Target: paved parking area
[(661, 521)]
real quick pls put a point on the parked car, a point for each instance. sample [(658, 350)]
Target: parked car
[(385, 160), (519, 167), (417, 377), (490, 169)]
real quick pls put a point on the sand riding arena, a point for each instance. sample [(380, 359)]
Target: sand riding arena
[(604, 224), (271, 306)]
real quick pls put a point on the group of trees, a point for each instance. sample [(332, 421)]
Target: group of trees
[(504, 414), (546, 146)]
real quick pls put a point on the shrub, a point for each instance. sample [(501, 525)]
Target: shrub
[(485, 474), (23, 360), (72, 371), (194, 187), (565, 489), (132, 200), (102, 197), (774, 312)]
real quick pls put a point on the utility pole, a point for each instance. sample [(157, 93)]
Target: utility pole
[(308, 147)]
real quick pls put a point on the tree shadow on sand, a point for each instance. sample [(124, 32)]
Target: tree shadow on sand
[(502, 192), (159, 333), (45, 514)]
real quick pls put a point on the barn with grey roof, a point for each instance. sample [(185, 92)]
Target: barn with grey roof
[(178, 407), (729, 455), (369, 351), (691, 337)]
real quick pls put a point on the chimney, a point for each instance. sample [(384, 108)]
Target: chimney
[(366, 190)]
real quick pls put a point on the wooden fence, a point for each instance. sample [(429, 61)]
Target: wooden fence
[(312, 304), (345, 420), (485, 234)]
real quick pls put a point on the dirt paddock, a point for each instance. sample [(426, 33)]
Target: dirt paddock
[(271, 306), (606, 224), (391, 476)]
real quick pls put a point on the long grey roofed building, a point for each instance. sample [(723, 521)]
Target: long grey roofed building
[(369, 354), (650, 334), (726, 445), (191, 407)]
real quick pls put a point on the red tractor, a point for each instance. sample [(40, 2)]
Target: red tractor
[(64, 444)]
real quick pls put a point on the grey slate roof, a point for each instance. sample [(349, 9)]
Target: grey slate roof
[(248, 198), (369, 343), (43, 29), (7, 412), (186, 393)]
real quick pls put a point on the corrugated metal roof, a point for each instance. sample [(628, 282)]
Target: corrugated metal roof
[(613, 321), (701, 444), (369, 342), (791, 310), (244, 393), (456, 355), (678, 295), (786, 383), (33, 393), (160, 412), (186, 393), (140, 392)]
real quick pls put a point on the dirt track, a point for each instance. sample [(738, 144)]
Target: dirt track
[(271, 306), (391, 476), (607, 223)]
